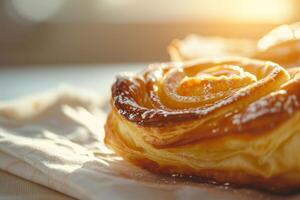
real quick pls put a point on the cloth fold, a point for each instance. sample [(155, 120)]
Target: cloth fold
[(56, 139)]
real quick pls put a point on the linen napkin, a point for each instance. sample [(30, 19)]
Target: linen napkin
[(56, 139)]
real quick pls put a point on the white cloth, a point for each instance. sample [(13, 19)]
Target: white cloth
[(16, 188), (55, 139)]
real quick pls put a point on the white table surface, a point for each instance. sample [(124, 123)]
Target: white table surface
[(22, 81)]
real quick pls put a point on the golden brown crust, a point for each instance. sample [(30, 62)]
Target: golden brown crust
[(227, 119)]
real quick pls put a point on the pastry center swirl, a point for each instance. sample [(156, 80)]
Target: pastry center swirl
[(165, 93), (205, 86)]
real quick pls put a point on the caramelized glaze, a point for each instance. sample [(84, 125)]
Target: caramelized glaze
[(254, 108)]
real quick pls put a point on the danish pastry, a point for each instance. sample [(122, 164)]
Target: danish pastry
[(232, 120), (280, 45)]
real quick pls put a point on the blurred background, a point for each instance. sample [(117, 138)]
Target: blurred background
[(38, 32)]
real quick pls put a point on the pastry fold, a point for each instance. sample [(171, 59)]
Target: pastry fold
[(232, 120), (280, 45)]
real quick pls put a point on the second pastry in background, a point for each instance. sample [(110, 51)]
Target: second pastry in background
[(280, 45)]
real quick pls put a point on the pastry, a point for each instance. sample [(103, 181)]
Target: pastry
[(230, 120), (195, 46), (280, 45)]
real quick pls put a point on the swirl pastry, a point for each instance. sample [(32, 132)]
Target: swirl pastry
[(230, 120), (280, 45)]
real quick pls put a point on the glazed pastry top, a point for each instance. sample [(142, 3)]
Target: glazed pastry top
[(207, 98)]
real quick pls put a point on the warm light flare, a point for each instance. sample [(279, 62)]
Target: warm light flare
[(253, 11), (237, 11)]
